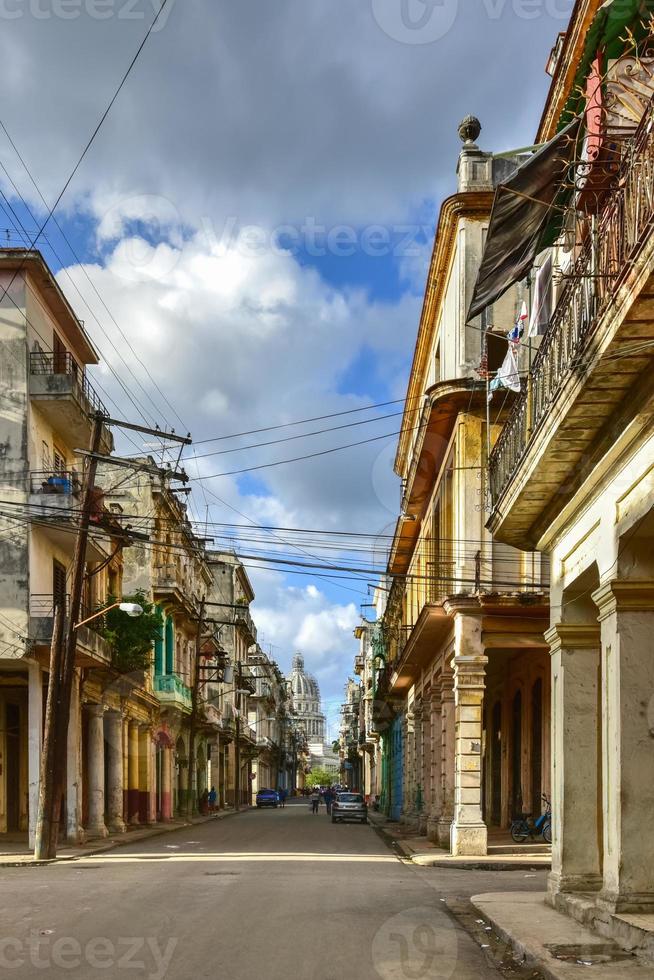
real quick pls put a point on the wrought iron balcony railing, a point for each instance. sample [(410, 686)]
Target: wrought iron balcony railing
[(613, 243), (55, 482), (42, 363)]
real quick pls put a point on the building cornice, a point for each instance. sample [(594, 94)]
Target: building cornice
[(471, 204), (566, 68)]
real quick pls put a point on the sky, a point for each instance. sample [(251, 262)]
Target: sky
[(247, 238)]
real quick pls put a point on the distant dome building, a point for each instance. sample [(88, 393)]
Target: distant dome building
[(307, 707)]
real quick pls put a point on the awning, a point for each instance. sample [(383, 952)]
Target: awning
[(526, 217)]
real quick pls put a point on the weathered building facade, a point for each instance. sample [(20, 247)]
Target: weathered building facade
[(462, 699), (572, 470)]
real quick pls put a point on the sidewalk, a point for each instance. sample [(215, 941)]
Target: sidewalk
[(557, 945), (500, 857), (16, 854)]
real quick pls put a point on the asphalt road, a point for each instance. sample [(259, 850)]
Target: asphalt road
[(265, 894)]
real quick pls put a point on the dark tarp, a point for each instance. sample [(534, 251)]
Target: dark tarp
[(526, 217)]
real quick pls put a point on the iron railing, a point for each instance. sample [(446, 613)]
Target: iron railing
[(56, 482), (42, 606), (612, 244), (42, 363)]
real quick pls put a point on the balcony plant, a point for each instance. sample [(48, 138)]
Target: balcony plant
[(132, 639)]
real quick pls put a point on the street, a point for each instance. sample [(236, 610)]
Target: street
[(272, 893)]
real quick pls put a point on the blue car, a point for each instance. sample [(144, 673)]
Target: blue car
[(267, 797)]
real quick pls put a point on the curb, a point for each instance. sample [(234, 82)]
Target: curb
[(124, 840), (425, 860)]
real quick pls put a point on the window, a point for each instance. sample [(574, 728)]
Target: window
[(46, 459), (58, 581), (58, 461), (59, 355)]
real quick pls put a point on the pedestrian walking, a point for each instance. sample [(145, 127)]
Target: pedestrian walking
[(213, 796), (283, 793), (329, 799), (315, 801)]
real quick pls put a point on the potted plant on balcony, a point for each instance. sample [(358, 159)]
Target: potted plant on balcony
[(132, 639)]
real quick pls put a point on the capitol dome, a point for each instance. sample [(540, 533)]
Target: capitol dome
[(305, 697)]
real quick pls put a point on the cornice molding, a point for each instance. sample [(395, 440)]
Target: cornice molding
[(579, 636), (624, 596), (470, 204), (566, 69)]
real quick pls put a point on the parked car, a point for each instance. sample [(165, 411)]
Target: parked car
[(267, 797), (349, 806)]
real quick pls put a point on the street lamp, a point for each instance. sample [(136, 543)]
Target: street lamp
[(130, 608)]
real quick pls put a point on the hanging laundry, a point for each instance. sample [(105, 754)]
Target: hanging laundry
[(516, 333), (508, 375), (541, 307)]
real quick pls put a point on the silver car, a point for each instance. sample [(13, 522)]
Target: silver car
[(349, 806)]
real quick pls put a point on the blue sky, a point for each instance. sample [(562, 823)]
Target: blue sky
[(279, 117)]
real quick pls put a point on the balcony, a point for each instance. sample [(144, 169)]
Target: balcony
[(243, 618), (172, 692), (60, 388), (54, 501), (92, 649), (593, 368), (168, 586)]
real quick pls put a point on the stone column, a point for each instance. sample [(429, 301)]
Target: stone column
[(627, 626), (469, 832), (166, 784), (95, 771), (125, 770), (152, 810), (576, 830), (144, 767), (408, 741), (115, 781), (419, 803), (182, 795), (133, 774), (436, 787), (34, 742), (75, 833), (447, 760)]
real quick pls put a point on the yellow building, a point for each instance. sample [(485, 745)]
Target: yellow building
[(572, 471), (462, 701)]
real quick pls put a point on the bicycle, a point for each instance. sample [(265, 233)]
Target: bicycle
[(525, 826)]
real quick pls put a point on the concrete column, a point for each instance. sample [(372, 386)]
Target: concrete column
[(627, 626), (133, 774), (436, 752), (95, 771), (75, 833), (152, 809), (144, 770), (183, 785), (576, 829), (115, 780), (408, 743), (166, 784), (469, 832), (125, 770), (420, 802), (447, 760), (34, 742)]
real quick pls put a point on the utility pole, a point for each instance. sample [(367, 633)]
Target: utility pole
[(63, 650), (195, 711), (237, 746), (62, 670)]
